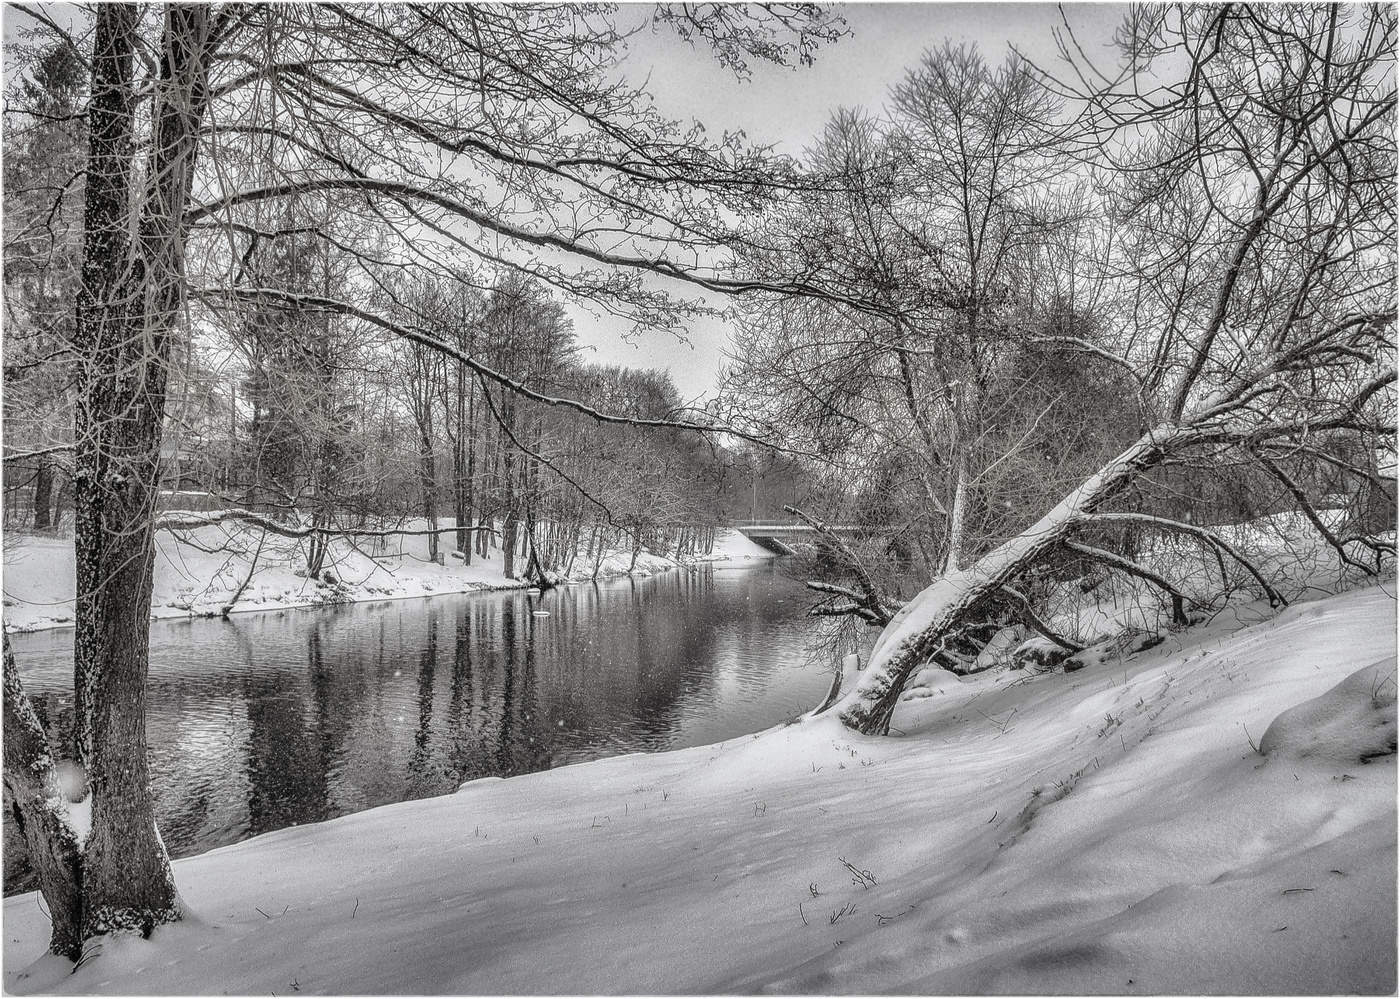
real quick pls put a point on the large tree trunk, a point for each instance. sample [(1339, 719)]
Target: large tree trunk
[(914, 634), (128, 307)]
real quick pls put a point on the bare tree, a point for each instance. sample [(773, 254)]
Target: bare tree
[(1258, 269), (550, 167)]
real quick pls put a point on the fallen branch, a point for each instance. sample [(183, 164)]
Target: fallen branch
[(1305, 505), (869, 597), (252, 568)]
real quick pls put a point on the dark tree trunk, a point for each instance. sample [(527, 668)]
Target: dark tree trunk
[(464, 464), (127, 310), (508, 475), (427, 474), (316, 547), (61, 499)]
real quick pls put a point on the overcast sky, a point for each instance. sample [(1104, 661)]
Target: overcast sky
[(786, 107)]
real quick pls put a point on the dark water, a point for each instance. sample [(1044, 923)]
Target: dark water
[(275, 719)]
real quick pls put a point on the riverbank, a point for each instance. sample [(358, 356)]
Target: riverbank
[(1110, 831), (202, 574)]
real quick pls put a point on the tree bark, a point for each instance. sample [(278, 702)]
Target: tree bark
[(40, 815), (508, 475), (127, 310), (462, 468), (427, 474)]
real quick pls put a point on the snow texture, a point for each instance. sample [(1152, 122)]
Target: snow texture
[(1110, 831)]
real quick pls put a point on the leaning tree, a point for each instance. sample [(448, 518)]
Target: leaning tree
[(1248, 155)]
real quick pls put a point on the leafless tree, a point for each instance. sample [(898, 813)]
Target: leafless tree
[(489, 134), (1253, 180)]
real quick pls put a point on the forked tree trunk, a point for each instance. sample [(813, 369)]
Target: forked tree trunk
[(914, 634), (126, 318)]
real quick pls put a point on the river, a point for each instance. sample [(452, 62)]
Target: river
[(274, 719)]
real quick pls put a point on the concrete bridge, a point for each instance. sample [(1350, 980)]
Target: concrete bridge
[(778, 537)]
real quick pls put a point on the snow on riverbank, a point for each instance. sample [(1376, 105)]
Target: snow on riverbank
[(1108, 831), (201, 578)]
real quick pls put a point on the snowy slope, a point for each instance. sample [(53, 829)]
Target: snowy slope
[(1111, 831)]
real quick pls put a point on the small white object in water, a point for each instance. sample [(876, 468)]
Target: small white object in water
[(540, 613)]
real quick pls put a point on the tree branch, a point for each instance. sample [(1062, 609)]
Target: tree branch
[(1276, 599), (1134, 569), (1035, 621)]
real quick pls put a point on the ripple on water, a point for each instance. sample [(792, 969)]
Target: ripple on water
[(271, 720)]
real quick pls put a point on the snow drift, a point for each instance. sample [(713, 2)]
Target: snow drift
[(1113, 830)]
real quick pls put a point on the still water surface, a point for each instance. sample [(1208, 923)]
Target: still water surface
[(276, 719)]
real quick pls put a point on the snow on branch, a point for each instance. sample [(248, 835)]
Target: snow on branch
[(877, 609), (552, 241), (38, 452)]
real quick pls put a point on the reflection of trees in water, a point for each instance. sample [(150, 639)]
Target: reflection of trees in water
[(299, 718), (299, 724), (603, 656), (286, 766), (423, 779), (636, 659)]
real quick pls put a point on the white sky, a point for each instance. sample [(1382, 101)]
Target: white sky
[(786, 107)]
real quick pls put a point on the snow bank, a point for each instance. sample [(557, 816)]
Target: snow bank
[(1109, 831), (203, 577), (1354, 721)]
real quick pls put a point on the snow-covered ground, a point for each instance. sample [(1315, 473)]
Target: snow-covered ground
[(201, 577), (1113, 830)]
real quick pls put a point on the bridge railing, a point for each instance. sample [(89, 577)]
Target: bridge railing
[(798, 527)]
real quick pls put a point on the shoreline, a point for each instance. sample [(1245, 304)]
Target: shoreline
[(185, 589), (980, 837)]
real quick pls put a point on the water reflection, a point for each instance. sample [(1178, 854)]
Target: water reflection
[(278, 719)]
